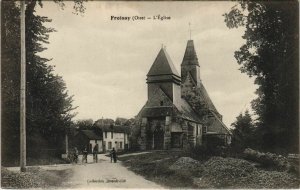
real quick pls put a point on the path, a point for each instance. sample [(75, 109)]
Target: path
[(107, 175), (133, 154)]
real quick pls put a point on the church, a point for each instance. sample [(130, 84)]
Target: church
[(178, 113)]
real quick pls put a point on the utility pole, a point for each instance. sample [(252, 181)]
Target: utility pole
[(23, 92)]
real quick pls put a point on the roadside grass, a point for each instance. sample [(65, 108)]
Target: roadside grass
[(155, 167), (34, 177), (50, 160), (212, 172), (45, 161)]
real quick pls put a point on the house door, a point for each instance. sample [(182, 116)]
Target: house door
[(176, 140), (158, 139), (103, 146), (90, 148)]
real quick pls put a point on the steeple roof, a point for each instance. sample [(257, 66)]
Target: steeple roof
[(190, 56), (162, 65)]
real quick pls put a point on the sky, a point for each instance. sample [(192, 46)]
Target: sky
[(104, 62)]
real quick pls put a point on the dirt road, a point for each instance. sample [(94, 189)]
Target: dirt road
[(105, 174)]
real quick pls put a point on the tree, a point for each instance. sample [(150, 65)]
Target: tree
[(120, 121), (104, 122), (243, 132), (124, 121), (48, 104), (271, 55), (84, 124)]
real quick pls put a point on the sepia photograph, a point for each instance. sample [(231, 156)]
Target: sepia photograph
[(149, 94)]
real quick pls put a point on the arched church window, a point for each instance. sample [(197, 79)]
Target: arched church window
[(204, 129), (161, 103)]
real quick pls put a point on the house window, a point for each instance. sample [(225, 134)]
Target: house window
[(105, 134), (112, 135), (121, 145), (109, 145), (197, 130)]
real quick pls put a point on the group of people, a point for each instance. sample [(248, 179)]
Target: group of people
[(95, 154), (73, 156)]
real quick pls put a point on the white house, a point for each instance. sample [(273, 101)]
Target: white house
[(88, 139), (115, 137)]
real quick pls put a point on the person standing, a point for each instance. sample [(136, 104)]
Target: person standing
[(111, 155), (95, 153), (75, 155), (84, 156), (114, 155)]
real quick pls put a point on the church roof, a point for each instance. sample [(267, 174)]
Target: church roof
[(190, 56), (220, 122), (162, 65), (187, 111), (204, 95), (181, 109)]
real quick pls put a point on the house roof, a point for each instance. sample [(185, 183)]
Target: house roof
[(162, 65), (116, 129), (190, 56), (91, 135)]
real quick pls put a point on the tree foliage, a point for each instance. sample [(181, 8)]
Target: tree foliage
[(270, 54), (84, 124), (48, 105), (243, 132), (104, 122)]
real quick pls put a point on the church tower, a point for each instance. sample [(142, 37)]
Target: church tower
[(190, 69), (163, 76)]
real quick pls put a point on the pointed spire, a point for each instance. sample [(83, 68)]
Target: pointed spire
[(190, 30), (162, 65), (190, 56)]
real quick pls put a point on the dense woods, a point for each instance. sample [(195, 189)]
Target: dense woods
[(48, 104), (271, 56)]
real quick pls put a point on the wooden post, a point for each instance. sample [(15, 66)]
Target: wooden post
[(23, 92)]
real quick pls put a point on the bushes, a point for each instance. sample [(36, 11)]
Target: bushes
[(280, 163)]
